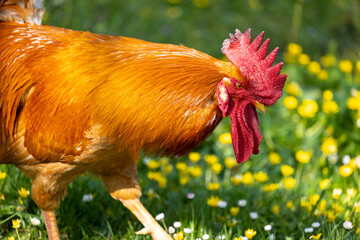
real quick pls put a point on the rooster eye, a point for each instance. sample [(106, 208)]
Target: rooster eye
[(238, 85)]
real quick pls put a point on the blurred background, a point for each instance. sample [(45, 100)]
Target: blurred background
[(320, 26)]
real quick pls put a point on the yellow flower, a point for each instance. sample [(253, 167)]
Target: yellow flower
[(248, 179), (179, 236), (290, 102), (236, 180), (305, 205), (331, 216), (23, 193), (345, 66), (194, 157), (230, 162), (213, 201), (330, 107), (328, 95), (261, 177), (316, 236), (289, 204), (214, 186), (11, 238), (357, 207), (303, 156), (250, 233), (181, 166), (225, 138), (289, 182), (271, 187), (329, 146), (211, 159), (162, 181), (314, 199), (294, 49), (286, 170), (353, 103), (15, 223), (292, 88), (201, 3), (2, 175), (322, 206), (322, 75), (328, 60), (184, 179), (2, 196), (304, 59), (314, 67), (275, 209), (167, 169), (274, 158), (308, 108), (336, 193), (217, 168), (345, 170), (195, 171), (234, 211), (153, 164), (153, 175), (324, 183)]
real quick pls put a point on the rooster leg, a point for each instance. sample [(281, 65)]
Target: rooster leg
[(51, 226)]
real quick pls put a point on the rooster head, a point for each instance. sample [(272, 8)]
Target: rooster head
[(259, 84)]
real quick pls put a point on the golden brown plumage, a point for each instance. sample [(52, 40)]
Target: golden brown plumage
[(72, 102)]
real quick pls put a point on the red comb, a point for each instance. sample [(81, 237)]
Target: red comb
[(252, 62)]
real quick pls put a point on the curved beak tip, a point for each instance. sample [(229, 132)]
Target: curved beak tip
[(259, 106)]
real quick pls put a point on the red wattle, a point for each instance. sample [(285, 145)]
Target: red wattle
[(245, 133)]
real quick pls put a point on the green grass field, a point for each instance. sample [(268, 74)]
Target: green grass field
[(304, 183)]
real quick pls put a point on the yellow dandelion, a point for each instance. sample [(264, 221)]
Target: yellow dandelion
[(314, 199), (195, 171), (167, 168), (308, 108), (184, 179), (322, 206), (322, 75), (330, 107), (294, 49), (328, 60), (331, 216), (217, 168), (261, 177), (2, 196), (336, 193), (250, 233), (317, 236), (248, 178), (274, 158), (286, 170), (2, 175), (194, 157), (236, 180), (357, 207), (162, 181), (230, 162), (290, 102), (16, 223), (275, 209), (305, 205), (11, 238), (179, 236), (290, 204), (153, 164), (214, 186), (201, 3), (345, 170), (353, 103), (23, 192), (213, 201), (345, 66), (329, 146), (303, 156), (324, 184), (271, 187), (234, 211), (304, 59), (292, 88), (181, 166), (328, 95), (314, 67), (289, 182), (211, 159), (225, 138)]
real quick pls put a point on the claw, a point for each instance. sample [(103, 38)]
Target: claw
[(143, 231)]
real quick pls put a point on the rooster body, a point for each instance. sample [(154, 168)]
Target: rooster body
[(72, 102)]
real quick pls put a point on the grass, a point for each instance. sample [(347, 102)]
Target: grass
[(313, 128)]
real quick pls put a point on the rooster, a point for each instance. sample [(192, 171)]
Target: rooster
[(73, 102)]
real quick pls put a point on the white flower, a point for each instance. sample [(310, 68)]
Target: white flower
[(308, 230), (348, 225), (35, 221), (346, 160), (222, 204), (205, 236), (268, 227), (272, 237), (254, 215), (177, 224), (243, 238), (87, 198), (221, 237), (171, 230), (146, 160), (357, 158), (160, 216), (242, 203), (315, 224), (332, 158), (190, 195), (187, 230), (358, 123)]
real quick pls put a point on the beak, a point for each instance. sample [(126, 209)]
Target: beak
[(226, 81), (258, 105)]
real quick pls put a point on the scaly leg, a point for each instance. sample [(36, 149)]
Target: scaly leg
[(151, 226), (51, 225)]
